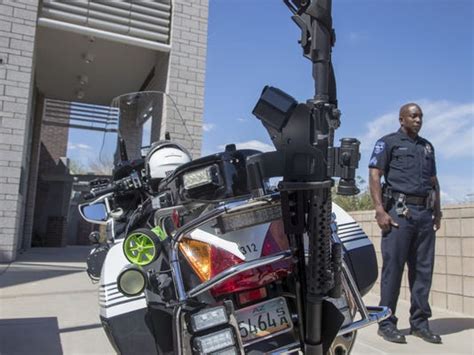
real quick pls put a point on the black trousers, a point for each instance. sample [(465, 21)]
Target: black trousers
[(412, 243)]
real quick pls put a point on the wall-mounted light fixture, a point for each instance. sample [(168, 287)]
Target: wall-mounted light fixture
[(83, 79), (88, 57), (80, 94)]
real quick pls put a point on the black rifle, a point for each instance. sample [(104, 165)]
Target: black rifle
[(303, 134)]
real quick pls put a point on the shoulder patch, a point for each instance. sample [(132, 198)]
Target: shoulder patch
[(379, 147), (428, 148)]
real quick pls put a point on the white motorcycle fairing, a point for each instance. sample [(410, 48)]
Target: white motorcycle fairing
[(123, 317)]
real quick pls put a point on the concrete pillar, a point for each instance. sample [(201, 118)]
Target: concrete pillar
[(17, 37), (33, 175), (187, 64)]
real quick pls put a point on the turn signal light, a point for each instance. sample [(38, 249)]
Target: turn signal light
[(207, 260), (199, 257)]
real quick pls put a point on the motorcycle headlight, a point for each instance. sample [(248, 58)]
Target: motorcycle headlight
[(131, 281)]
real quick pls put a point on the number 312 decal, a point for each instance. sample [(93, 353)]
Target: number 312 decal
[(249, 248)]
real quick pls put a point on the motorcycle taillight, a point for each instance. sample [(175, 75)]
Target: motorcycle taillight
[(275, 241)]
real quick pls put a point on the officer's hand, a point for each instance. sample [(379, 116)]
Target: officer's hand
[(437, 223), (384, 221)]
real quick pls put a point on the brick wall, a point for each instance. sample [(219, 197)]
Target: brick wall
[(17, 35), (54, 145), (453, 278), (56, 232), (84, 228), (187, 63)]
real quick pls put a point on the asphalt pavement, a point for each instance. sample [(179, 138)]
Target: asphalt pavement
[(49, 306)]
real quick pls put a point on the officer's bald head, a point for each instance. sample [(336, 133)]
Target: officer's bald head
[(406, 109), (411, 119)]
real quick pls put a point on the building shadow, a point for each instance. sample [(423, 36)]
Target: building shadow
[(16, 275), (42, 336), (446, 326), (69, 254), (38, 264)]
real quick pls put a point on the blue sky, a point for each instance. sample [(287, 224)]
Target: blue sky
[(388, 52)]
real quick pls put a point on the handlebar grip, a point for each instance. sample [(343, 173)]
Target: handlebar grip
[(88, 196), (101, 192)]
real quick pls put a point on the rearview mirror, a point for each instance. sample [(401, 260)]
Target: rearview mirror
[(94, 213)]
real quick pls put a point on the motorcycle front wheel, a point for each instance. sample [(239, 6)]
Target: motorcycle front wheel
[(343, 344)]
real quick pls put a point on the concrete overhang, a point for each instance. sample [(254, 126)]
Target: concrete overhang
[(74, 66)]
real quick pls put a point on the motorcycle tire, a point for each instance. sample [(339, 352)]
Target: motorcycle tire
[(343, 344)]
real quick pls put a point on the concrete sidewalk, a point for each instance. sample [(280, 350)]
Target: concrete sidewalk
[(456, 330), (49, 306)]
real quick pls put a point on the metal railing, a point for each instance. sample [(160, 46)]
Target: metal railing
[(369, 315)]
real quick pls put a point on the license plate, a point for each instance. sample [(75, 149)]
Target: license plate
[(263, 319)]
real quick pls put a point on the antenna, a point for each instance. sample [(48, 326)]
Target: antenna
[(123, 149)]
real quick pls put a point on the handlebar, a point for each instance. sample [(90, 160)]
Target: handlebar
[(131, 182), (100, 192)]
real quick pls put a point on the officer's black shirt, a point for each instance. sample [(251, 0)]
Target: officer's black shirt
[(408, 164)]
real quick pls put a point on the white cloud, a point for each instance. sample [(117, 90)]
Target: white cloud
[(252, 144), (356, 37), (448, 125), (241, 119), (208, 127), (79, 146)]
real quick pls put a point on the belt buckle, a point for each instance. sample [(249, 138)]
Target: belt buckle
[(400, 205)]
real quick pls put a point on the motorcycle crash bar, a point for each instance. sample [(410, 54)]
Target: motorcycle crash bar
[(370, 315)]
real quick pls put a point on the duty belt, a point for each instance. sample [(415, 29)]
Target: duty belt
[(411, 199)]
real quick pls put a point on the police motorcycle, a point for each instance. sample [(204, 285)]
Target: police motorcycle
[(297, 283), (234, 266), (123, 203), (128, 318), (219, 269)]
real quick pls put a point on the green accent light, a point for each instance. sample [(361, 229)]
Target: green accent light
[(141, 247)]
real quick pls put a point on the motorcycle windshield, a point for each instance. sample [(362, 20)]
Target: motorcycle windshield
[(138, 119)]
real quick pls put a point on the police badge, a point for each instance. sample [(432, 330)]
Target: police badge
[(428, 149)]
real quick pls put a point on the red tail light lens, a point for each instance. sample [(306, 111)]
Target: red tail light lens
[(275, 241), (252, 295), (208, 261), (222, 260)]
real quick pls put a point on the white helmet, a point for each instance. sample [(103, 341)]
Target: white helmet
[(163, 158)]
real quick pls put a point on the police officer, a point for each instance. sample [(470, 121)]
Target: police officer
[(408, 212)]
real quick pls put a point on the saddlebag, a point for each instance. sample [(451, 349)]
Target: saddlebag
[(359, 255)]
